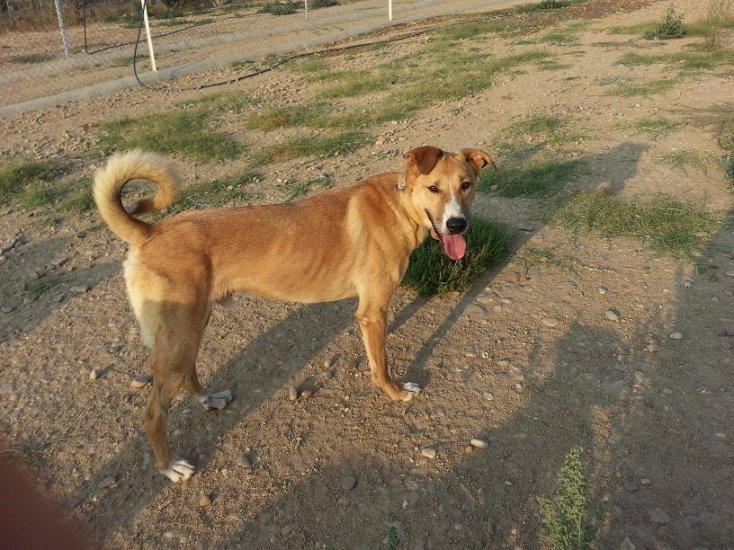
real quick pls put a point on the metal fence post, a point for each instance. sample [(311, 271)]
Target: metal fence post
[(147, 32), (60, 15), (389, 10)]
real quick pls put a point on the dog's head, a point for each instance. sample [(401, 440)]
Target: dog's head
[(441, 189)]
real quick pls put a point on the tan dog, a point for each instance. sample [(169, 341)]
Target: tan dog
[(338, 244)]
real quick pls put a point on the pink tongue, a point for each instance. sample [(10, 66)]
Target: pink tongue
[(454, 246)]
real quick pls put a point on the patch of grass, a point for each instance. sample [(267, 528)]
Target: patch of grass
[(566, 519), (311, 66), (301, 188), (637, 29), (687, 60), (17, 176), (216, 193), (550, 129), (718, 18), (669, 226), (564, 36), (280, 8), (683, 160), (312, 114), (431, 272), (221, 102), (321, 147), (655, 127), (392, 541), (318, 4), (32, 58), (551, 65), (356, 83), (472, 29), (183, 133), (40, 286), (532, 180), (670, 27), (533, 257), (642, 89)]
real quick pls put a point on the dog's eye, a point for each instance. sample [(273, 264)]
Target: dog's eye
[(465, 185), (433, 189)]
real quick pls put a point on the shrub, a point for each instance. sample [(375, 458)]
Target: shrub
[(671, 27)]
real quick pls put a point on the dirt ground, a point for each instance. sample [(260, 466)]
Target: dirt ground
[(527, 359)]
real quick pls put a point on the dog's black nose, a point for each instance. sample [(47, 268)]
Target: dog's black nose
[(456, 225)]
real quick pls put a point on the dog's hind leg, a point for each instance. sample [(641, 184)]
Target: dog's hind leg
[(372, 318)]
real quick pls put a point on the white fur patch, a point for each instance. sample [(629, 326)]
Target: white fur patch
[(453, 209)]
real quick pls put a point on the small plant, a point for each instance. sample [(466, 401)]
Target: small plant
[(317, 4), (431, 272), (671, 27), (566, 520), (655, 127), (42, 285), (718, 17), (280, 8), (392, 539)]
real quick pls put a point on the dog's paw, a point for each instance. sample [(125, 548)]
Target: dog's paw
[(178, 470), (411, 389), (217, 400)]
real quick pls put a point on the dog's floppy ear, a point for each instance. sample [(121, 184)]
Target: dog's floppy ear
[(423, 158), (478, 159)]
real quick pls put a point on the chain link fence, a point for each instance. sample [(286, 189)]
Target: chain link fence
[(50, 47)]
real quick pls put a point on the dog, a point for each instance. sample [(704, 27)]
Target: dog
[(341, 243)]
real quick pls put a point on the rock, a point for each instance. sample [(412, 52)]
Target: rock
[(7, 309), (646, 481), (475, 310), (58, 298), (603, 290), (676, 336), (611, 315), (245, 461), (81, 289), (204, 500), (630, 484), (550, 322), (349, 482), (107, 482), (627, 544), (691, 521), (306, 394), (411, 485), (729, 273), (329, 374), (479, 443), (428, 452), (292, 393), (140, 381), (94, 374), (658, 515)]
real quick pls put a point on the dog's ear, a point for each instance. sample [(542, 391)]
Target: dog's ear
[(477, 159), (423, 158)]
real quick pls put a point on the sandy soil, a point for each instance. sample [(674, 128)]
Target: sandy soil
[(526, 360)]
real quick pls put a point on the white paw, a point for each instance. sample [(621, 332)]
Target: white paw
[(413, 389), (178, 470), (217, 400)]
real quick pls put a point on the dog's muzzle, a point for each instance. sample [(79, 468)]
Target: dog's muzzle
[(453, 243)]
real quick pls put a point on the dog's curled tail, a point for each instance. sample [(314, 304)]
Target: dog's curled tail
[(122, 168)]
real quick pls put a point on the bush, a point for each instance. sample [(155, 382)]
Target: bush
[(671, 27), (283, 8)]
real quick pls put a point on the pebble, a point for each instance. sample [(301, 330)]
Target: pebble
[(349, 482), (479, 443), (630, 484), (475, 310), (7, 309), (205, 500), (306, 394), (729, 273), (627, 544), (245, 461), (428, 452), (81, 289), (690, 522), (550, 322), (58, 298), (292, 393), (603, 290), (676, 336), (140, 381), (611, 315), (646, 481), (329, 374), (94, 374), (107, 482), (658, 515)]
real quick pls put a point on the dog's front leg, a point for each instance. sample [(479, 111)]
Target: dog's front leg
[(372, 320)]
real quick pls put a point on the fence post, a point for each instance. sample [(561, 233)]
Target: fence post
[(305, 2), (60, 15), (147, 32), (389, 10)]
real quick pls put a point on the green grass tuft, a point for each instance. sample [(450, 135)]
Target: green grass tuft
[(183, 133), (669, 226), (566, 520), (18, 175), (217, 193), (40, 286), (549, 129), (307, 146), (432, 272), (655, 127), (682, 160), (642, 89), (280, 8), (532, 180)]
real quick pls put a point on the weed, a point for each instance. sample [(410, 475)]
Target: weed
[(41, 286), (566, 521), (312, 147), (17, 176), (537, 179), (431, 272), (642, 89), (392, 539), (718, 17), (670, 27), (281, 8), (655, 127), (669, 226), (182, 133)]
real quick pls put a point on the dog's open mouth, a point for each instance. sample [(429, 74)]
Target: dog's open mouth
[(453, 244)]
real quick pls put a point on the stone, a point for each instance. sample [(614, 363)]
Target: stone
[(204, 500), (94, 374), (676, 336), (611, 315), (109, 481), (429, 452), (349, 482), (479, 443), (140, 381), (550, 322)]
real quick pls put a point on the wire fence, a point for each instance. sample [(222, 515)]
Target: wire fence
[(50, 47)]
